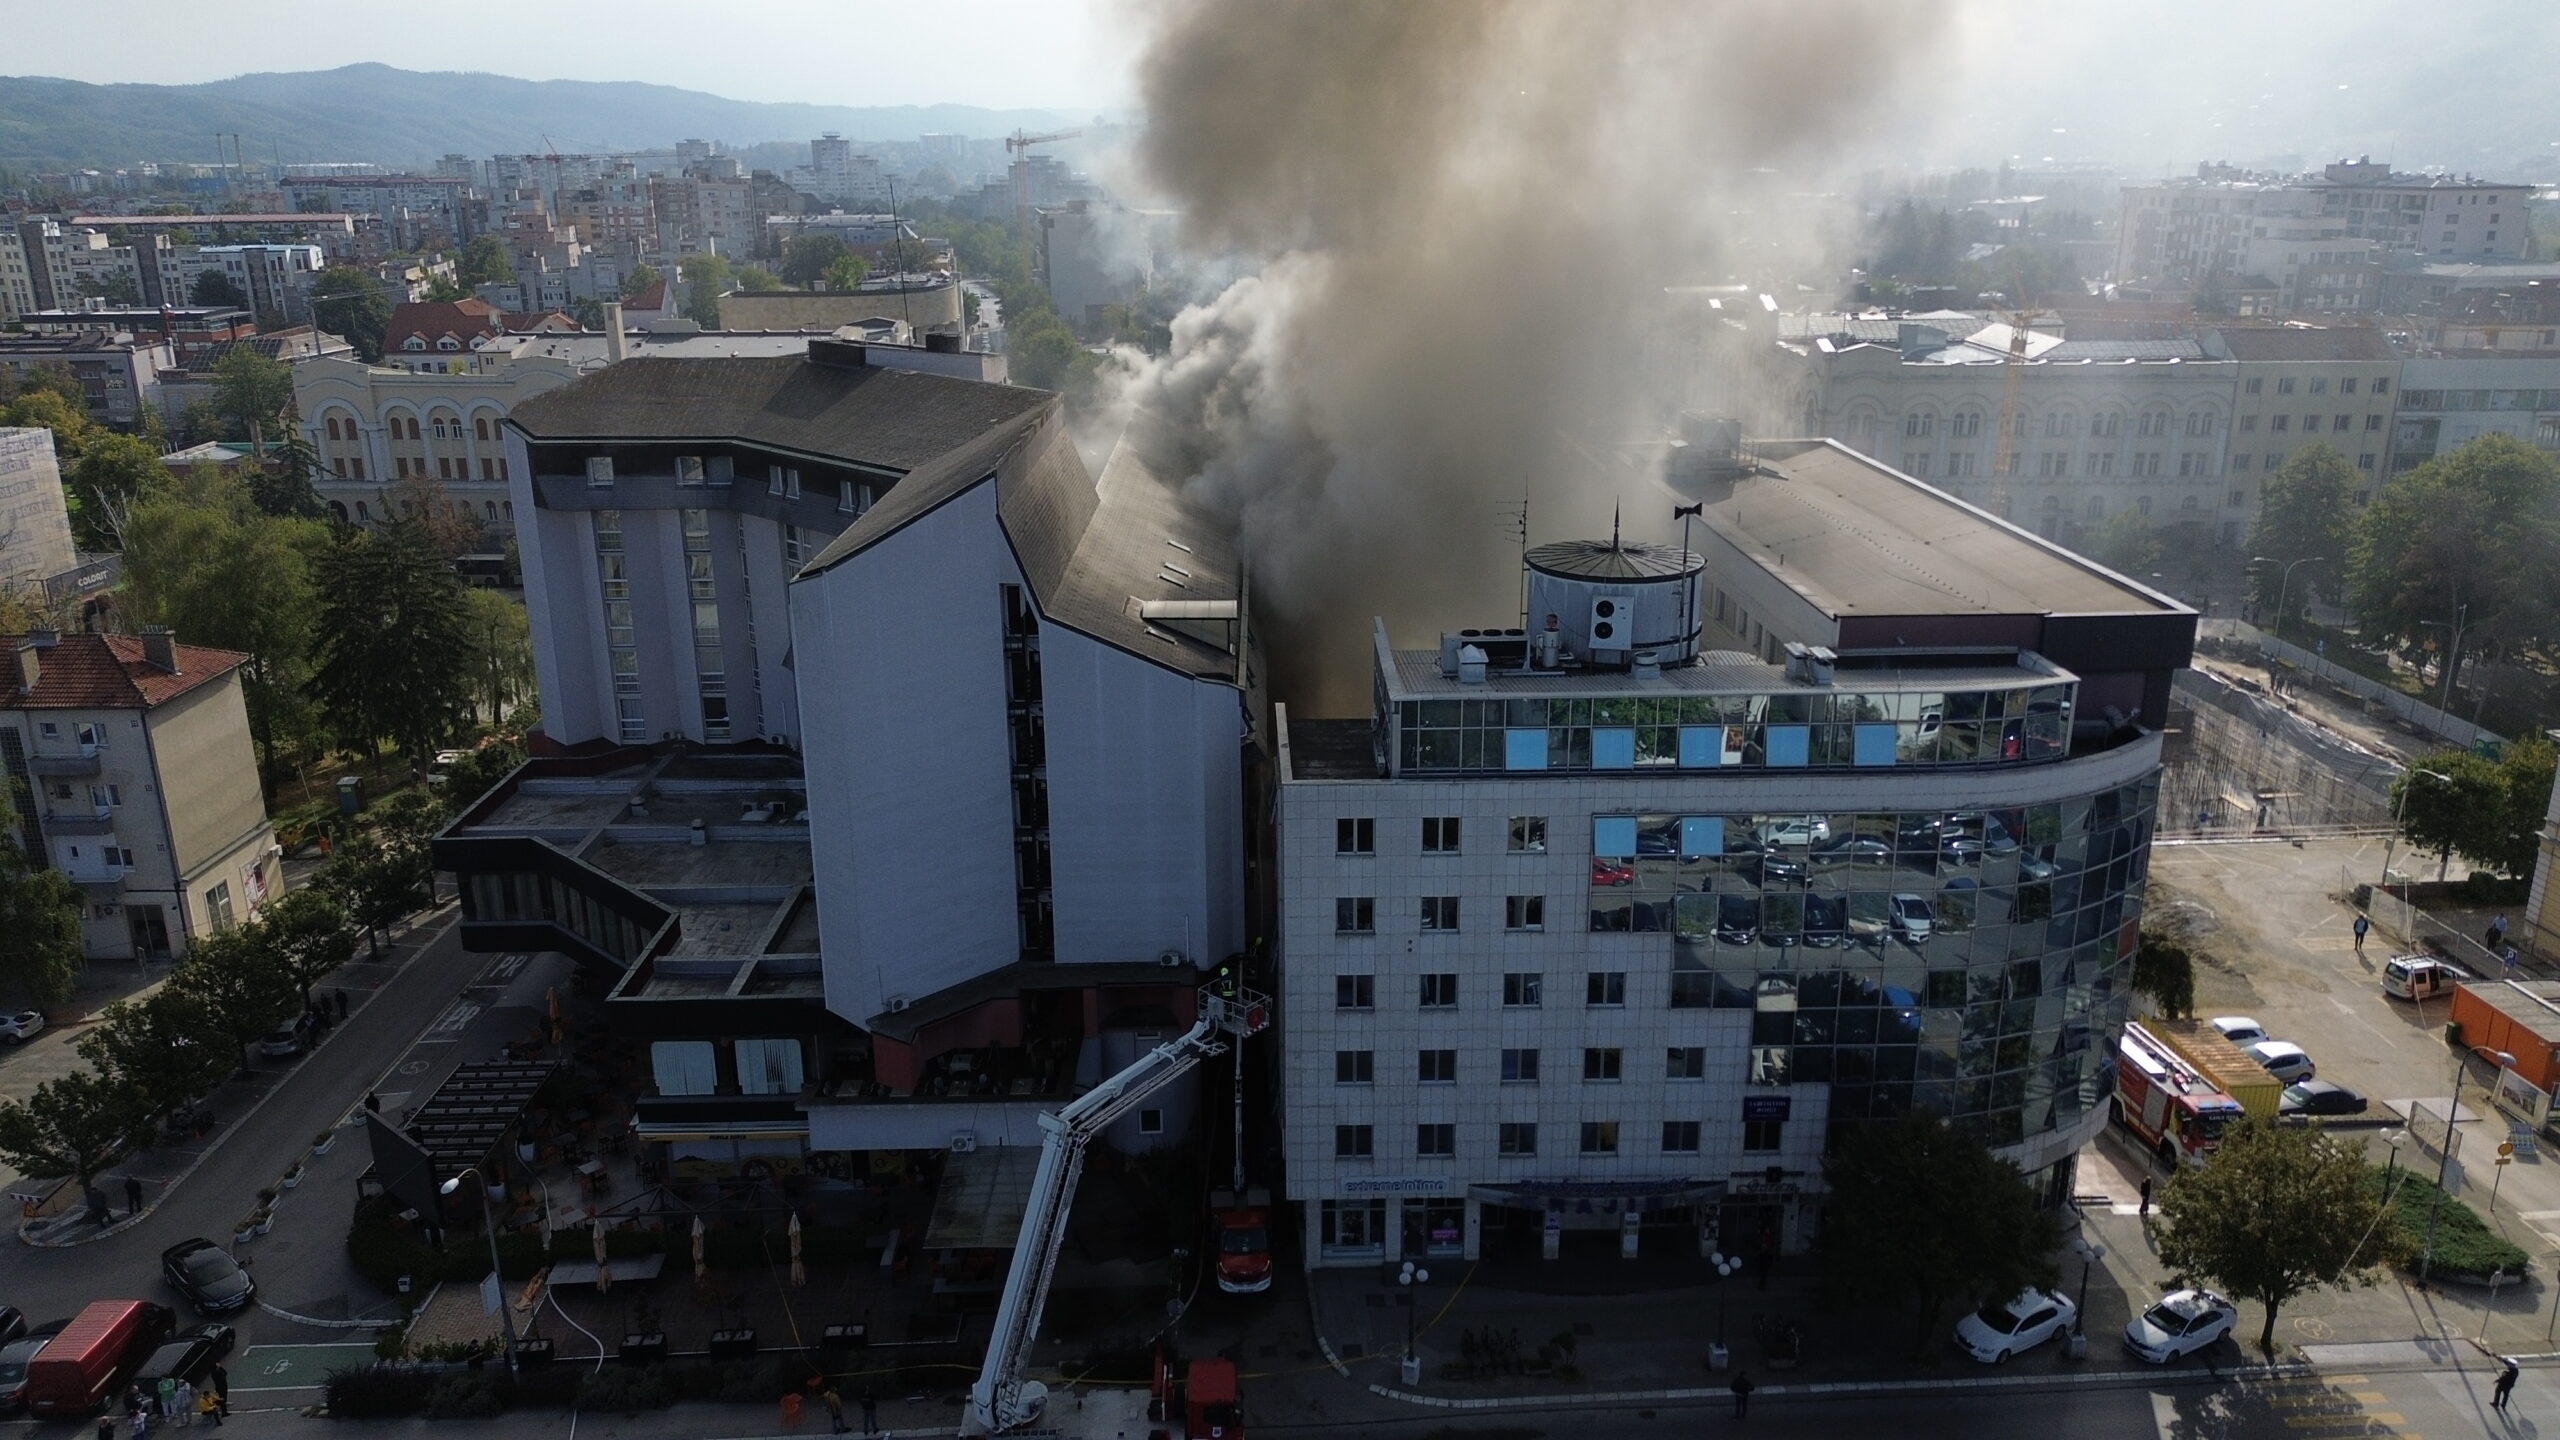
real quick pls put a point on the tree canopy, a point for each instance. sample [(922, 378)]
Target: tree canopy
[(848, 272), (114, 474), (705, 276), (241, 982), (39, 921), (2488, 809), (166, 1045), (394, 657), (215, 288), (2303, 516), (253, 389), (2125, 543), (807, 258), (74, 1125), (2276, 1211), (640, 279), (220, 572), (483, 261), (347, 301), (2471, 537), (1923, 1214)]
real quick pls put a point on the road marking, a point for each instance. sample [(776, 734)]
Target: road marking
[(450, 1025), (506, 969), (2350, 1012), (295, 1367)]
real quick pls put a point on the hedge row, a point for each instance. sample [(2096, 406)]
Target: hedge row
[(382, 1253), (2466, 1248)]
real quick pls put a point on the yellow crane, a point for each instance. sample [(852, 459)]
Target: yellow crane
[(1020, 143), (2013, 377)]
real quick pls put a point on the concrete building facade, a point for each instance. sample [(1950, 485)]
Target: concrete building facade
[(132, 773), (1595, 951)]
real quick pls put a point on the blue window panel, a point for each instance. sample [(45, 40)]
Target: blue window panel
[(1787, 745), (1527, 749), (1872, 744), (1613, 837), (1701, 746), (1613, 748), (1701, 834)]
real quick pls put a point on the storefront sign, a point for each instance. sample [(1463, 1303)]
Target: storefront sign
[(1397, 1185), (1766, 1107)]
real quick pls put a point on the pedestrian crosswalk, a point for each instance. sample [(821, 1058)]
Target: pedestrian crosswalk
[(2304, 1407)]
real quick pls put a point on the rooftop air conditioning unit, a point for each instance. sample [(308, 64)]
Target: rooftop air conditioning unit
[(964, 1143), (1172, 959), (895, 1003)]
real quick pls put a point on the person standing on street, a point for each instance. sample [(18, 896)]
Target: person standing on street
[(183, 1404), (2506, 1385), (2146, 1197), (835, 1410), (2362, 925), (222, 1390), (2497, 932), (209, 1408), (133, 1194), (870, 1412), (1741, 1388)]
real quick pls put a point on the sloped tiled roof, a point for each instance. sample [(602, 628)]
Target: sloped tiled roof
[(2306, 343), (108, 672), (432, 320)]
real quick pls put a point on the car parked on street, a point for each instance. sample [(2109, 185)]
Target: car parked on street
[(13, 1367), (2319, 1097), (2180, 1324), (2240, 1029), (2283, 1059), (189, 1356), (208, 1276), (21, 1027), (1995, 1332)]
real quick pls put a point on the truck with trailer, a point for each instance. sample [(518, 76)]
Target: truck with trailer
[(2165, 1102), (2226, 1066)]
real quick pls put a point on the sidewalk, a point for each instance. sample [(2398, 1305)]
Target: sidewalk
[(1637, 1339), (164, 1167)]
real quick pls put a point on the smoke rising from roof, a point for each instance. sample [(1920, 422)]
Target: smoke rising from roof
[(1465, 211)]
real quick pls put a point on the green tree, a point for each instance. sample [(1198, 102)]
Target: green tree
[(166, 1045), (226, 575), (114, 474), (483, 261), (1922, 1214), (2526, 766), (479, 771), (1043, 353), (705, 276), (253, 389), (807, 258), (2164, 972), (307, 933), (43, 407), (393, 661), (641, 278), (848, 272), (502, 649), (2470, 537), (282, 486), (445, 292), (39, 922), (2125, 543), (215, 288), (2303, 516), (2466, 810), (242, 984), (378, 881), (347, 301), (74, 1125), (2276, 1211), (756, 279)]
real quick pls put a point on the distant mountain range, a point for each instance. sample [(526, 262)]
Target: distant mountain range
[(409, 117)]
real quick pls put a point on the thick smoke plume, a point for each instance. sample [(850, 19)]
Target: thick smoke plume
[(1464, 214)]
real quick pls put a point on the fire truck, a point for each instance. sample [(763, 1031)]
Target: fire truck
[(2176, 1112)]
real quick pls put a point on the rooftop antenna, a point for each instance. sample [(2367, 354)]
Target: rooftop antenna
[(1519, 517), (1613, 524)]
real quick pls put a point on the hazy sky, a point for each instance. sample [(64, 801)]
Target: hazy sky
[(1061, 54)]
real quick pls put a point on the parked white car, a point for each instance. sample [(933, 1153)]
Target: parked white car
[(2182, 1323), (2240, 1029), (22, 1026), (1995, 1332), (2284, 1060)]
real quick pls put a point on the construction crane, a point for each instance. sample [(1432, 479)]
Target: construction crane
[(2013, 377), (1020, 143), (1004, 1398)]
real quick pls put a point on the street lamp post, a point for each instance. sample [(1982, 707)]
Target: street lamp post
[(2444, 1155), (2392, 840), (1406, 1278), (2284, 590), (489, 1227), (2091, 1252)]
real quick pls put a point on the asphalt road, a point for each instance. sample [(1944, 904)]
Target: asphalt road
[(322, 1086)]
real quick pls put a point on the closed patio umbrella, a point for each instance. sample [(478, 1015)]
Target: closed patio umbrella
[(799, 1272), (604, 1270), (701, 1271)]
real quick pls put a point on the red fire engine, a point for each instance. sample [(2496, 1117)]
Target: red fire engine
[(2178, 1113)]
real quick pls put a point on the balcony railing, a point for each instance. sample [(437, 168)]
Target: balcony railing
[(65, 763), (80, 820)]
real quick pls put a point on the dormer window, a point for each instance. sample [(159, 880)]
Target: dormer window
[(414, 342), (448, 343)]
